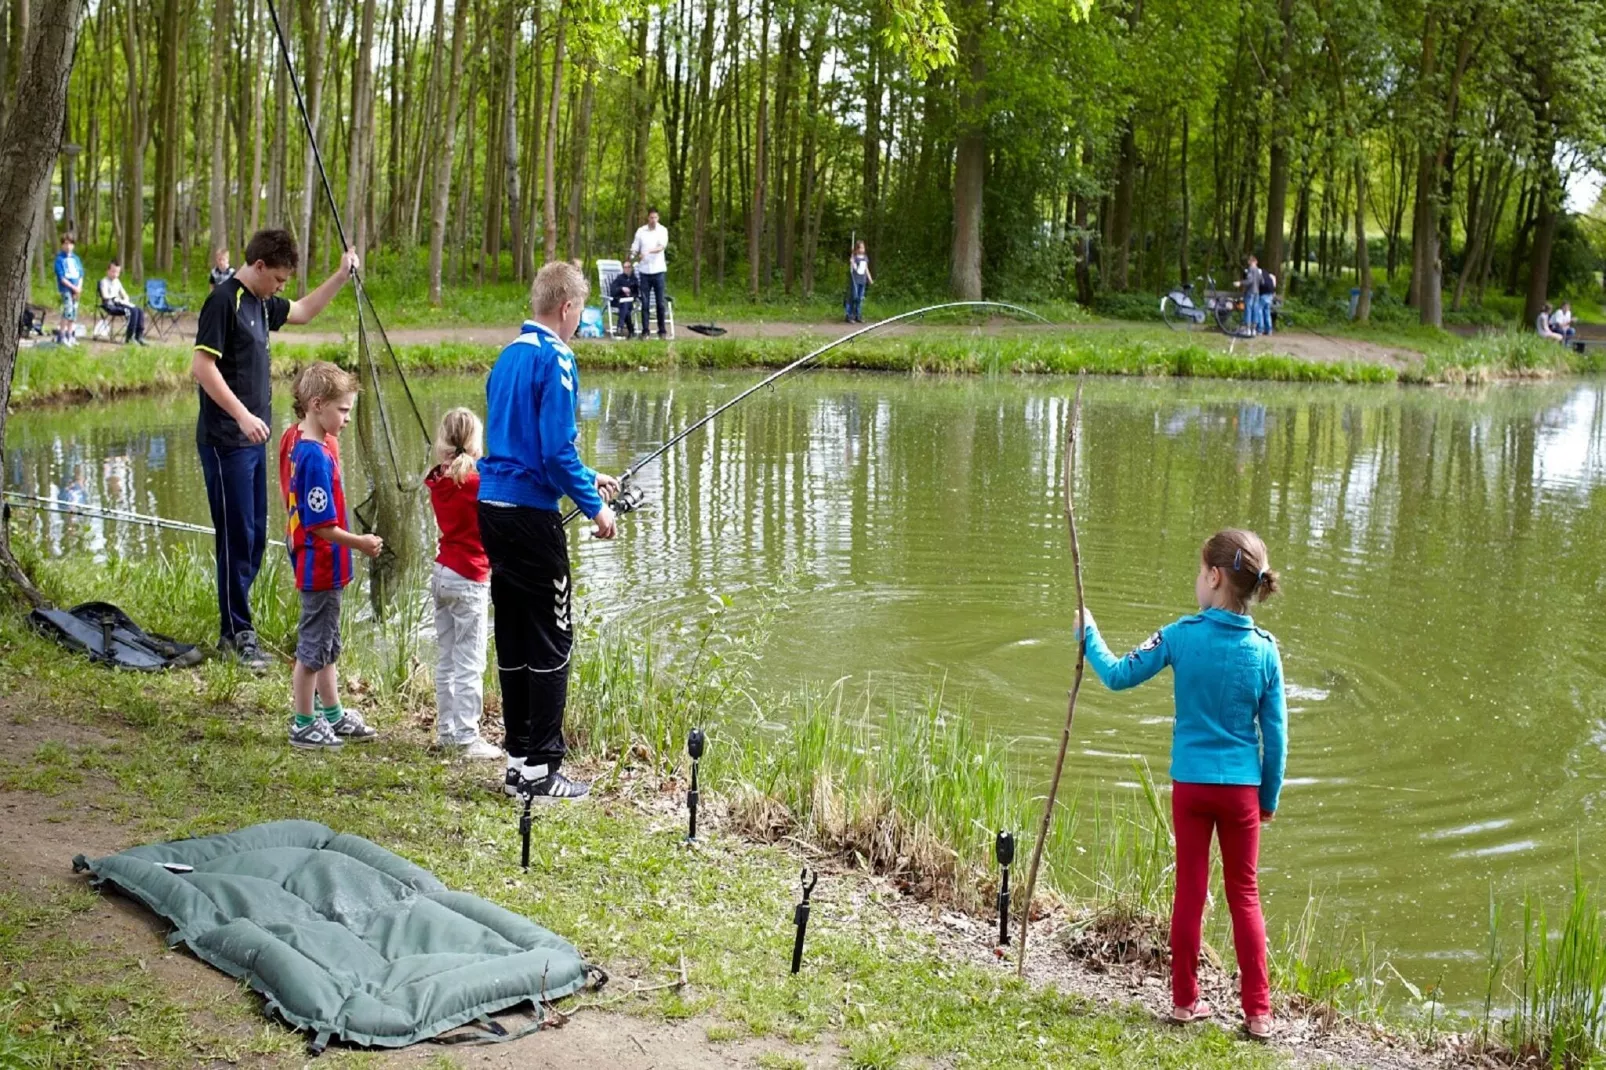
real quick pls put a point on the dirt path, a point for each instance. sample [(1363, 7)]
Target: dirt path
[(1304, 345)]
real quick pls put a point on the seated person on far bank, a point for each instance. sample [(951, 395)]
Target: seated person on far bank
[(1561, 321), (626, 286), (320, 558), (1542, 325), (115, 301)]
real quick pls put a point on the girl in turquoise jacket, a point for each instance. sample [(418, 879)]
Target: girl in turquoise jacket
[(1229, 746)]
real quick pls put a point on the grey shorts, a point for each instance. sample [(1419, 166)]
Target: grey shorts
[(318, 633)]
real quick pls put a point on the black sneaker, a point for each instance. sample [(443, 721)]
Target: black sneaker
[(556, 786), (515, 784), (245, 650)]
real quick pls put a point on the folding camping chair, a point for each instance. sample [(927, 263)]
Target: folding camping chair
[(607, 271), (164, 315)]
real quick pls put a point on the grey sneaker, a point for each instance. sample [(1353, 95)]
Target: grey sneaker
[(351, 728), (315, 736), (246, 651)]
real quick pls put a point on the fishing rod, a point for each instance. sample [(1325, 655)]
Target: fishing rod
[(630, 502), (91, 512), (356, 275)]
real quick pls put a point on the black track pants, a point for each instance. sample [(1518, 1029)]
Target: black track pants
[(530, 589)]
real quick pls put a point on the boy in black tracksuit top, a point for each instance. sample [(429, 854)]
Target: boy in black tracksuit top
[(623, 293)]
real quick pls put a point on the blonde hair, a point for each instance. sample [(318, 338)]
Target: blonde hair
[(1242, 558), (321, 381), (459, 443), (556, 283)]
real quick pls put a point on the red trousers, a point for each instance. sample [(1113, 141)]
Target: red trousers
[(1232, 811)]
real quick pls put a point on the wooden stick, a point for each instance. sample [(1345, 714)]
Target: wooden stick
[(1076, 682)]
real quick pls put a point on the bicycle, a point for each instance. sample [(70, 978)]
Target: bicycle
[(1224, 308)]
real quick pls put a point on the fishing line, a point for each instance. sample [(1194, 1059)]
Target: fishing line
[(636, 467), (92, 512)]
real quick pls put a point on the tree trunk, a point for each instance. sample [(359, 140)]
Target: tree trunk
[(256, 119), (217, 207), (1185, 275), (705, 146), (510, 144), (582, 139), (970, 161), (1277, 191), (133, 251), (1544, 239), (29, 144), (357, 144), (641, 97), (315, 20), (448, 143), (755, 216), (169, 44), (1084, 236), (549, 150)]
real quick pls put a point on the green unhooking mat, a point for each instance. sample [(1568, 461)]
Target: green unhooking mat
[(343, 937)]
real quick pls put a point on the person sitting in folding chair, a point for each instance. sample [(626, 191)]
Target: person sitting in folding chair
[(623, 291), (115, 302)]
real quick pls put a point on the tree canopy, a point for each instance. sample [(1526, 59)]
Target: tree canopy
[(1020, 148)]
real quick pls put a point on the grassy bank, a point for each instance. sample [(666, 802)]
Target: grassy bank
[(910, 792), (203, 751), (53, 374)]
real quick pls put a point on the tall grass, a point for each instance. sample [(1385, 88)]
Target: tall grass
[(1558, 1011)]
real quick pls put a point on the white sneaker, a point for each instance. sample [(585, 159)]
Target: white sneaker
[(478, 750)]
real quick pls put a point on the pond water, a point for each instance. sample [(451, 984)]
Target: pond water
[(1443, 554)]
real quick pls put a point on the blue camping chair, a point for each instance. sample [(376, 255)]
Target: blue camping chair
[(591, 322), (164, 315)]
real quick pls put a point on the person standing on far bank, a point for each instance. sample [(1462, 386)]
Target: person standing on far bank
[(531, 463), (230, 368), (858, 279), (648, 251)]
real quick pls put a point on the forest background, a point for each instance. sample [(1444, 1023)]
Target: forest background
[(1418, 151)]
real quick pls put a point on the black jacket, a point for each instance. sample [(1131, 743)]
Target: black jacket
[(624, 287)]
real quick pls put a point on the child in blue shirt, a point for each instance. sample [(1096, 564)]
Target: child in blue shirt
[(531, 463), (70, 285), (1229, 746)]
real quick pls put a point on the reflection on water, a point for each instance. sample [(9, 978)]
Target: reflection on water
[(1443, 557)]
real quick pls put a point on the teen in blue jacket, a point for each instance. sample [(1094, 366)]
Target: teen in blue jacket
[(530, 465), (1229, 747)]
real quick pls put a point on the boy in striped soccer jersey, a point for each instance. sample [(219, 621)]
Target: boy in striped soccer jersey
[(320, 555)]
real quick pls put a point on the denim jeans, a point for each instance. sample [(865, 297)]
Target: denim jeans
[(853, 308)]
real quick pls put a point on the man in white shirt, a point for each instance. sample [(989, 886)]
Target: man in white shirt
[(114, 300), (648, 252)]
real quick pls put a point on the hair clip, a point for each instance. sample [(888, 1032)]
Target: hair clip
[(1237, 560), (1260, 577)]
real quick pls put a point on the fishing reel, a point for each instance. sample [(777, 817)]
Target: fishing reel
[(629, 499)]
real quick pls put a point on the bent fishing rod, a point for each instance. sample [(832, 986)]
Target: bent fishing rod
[(626, 502)]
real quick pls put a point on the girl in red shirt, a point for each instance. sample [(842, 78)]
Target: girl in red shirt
[(461, 585)]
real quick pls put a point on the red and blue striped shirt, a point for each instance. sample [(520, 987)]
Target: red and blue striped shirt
[(316, 498)]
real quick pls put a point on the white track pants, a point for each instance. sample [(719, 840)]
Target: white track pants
[(460, 628)]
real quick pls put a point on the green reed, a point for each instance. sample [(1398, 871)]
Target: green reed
[(1556, 983)]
